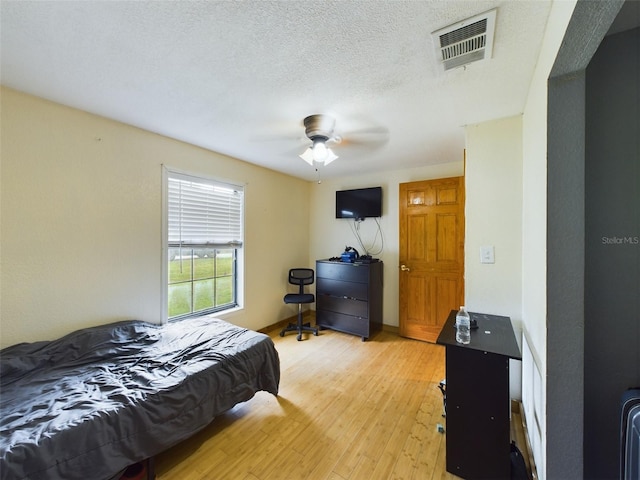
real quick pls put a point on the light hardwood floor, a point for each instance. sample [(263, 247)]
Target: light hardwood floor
[(347, 409)]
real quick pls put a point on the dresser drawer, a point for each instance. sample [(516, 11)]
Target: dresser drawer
[(347, 306), (343, 323), (343, 271), (340, 288)]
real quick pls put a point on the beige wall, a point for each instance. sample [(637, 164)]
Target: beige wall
[(81, 219), (329, 235), (493, 216), (81, 222)]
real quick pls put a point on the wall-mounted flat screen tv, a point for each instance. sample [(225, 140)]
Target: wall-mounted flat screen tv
[(359, 203)]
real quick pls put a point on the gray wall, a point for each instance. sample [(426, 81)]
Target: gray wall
[(565, 237), (612, 246)]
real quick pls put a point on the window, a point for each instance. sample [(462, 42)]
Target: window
[(204, 240)]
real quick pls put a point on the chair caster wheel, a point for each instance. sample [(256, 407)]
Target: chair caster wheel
[(299, 337), (315, 333), (282, 334)]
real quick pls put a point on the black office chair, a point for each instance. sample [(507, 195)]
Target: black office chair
[(300, 277)]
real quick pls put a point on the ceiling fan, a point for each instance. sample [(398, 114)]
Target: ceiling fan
[(319, 129), (357, 136)]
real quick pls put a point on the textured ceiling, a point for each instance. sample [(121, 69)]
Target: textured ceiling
[(238, 77)]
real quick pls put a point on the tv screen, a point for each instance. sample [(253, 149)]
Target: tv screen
[(359, 203)]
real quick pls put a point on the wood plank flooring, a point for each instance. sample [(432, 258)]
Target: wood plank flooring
[(347, 409)]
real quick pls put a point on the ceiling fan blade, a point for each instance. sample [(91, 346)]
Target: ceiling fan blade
[(354, 146), (279, 131), (366, 138), (361, 138), (368, 131)]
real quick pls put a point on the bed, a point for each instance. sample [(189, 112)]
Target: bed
[(99, 399)]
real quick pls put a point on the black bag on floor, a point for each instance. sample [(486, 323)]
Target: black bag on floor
[(518, 466)]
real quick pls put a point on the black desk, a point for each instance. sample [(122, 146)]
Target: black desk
[(478, 400)]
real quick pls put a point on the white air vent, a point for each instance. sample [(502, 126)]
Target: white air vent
[(468, 41)]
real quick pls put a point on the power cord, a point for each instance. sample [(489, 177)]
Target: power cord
[(368, 252)]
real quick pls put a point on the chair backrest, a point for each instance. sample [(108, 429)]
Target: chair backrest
[(301, 277)]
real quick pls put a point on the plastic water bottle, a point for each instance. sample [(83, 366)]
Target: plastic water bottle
[(463, 327)]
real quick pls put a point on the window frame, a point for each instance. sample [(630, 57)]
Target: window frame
[(238, 267)]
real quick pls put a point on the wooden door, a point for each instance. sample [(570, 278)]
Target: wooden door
[(431, 277)]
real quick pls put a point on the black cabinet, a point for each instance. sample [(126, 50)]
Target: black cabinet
[(478, 400), (349, 297)]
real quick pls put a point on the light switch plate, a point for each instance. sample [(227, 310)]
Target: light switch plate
[(487, 254)]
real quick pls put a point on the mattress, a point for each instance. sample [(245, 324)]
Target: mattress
[(99, 399)]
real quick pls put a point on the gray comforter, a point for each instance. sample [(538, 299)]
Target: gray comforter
[(87, 405)]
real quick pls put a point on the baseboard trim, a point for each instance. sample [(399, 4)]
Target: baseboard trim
[(390, 329), (311, 315)]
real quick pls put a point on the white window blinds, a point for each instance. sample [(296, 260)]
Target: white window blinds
[(204, 212)]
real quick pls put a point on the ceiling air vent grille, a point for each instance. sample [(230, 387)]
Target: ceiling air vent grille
[(468, 41)]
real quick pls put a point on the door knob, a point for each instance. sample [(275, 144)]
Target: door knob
[(404, 268)]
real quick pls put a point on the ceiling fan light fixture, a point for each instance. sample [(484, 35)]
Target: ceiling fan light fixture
[(319, 153), (319, 149), (319, 129), (307, 156), (330, 157)]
